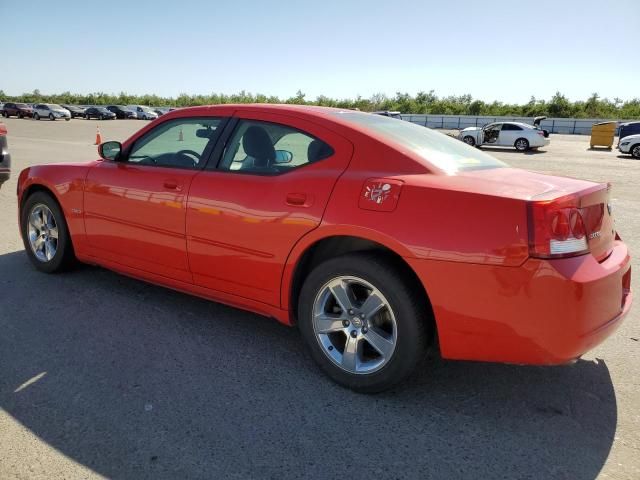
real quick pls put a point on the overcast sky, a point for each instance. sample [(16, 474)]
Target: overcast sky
[(491, 49)]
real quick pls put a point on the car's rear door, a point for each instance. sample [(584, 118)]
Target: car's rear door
[(135, 209), (509, 133), (244, 216)]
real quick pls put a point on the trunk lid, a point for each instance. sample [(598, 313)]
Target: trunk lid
[(590, 198)]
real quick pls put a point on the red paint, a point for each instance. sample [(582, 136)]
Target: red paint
[(237, 238)]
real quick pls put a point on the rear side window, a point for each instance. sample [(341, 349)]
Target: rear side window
[(266, 148), (510, 126), (435, 149)]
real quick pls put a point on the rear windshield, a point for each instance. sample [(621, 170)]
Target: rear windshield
[(443, 152)]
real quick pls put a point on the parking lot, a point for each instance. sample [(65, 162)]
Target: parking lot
[(102, 375)]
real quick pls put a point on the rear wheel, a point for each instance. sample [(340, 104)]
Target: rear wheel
[(469, 140), (45, 233), (635, 151), (364, 325), (521, 144)]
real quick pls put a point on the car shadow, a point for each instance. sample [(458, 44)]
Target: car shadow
[(535, 151), (136, 381)]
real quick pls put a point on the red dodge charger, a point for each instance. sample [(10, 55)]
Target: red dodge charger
[(377, 237)]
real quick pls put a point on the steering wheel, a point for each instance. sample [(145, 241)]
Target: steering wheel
[(191, 153)]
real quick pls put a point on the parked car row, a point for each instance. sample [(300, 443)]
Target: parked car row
[(53, 111)]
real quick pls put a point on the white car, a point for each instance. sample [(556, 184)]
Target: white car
[(630, 144), (522, 136), (143, 113), (50, 111)]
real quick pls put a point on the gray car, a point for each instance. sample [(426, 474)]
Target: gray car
[(5, 158)]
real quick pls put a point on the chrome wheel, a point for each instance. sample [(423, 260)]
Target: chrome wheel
[(635, 152), (354, 324), (469, 140), (522, 144), (43, 233)]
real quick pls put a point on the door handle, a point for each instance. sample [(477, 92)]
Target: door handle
[(297, 199), (172, 185)]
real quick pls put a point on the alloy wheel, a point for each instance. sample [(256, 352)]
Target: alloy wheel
[(43, 233), (354, 324)]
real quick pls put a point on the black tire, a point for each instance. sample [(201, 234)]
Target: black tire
[(635, 150), (51, 117), (521, 144), (86, 117), (469, 140), (5, 114), (67, 119), (20, 115), (64, 257), (36, 116), (409, 307)]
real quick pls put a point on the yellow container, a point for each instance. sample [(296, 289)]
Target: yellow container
[(602, 134)]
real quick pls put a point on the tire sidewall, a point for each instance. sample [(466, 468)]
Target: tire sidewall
[(632, 150), (410, 346), (472, 143), (521, 149), (64, 250)]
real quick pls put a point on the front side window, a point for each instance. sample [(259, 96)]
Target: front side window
[(270, 149), (179, 143)]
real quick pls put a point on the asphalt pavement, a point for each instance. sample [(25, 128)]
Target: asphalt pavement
[(103, 375)]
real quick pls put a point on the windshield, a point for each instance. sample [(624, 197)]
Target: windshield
[(54, 105), (445, 153), (22, 105)]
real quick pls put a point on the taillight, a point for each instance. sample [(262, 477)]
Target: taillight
[(541, 133), (556, 230)]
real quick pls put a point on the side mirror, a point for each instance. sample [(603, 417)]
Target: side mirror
[(283, 156), (110, 150)]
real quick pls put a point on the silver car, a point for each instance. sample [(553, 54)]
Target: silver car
[(50, 111)]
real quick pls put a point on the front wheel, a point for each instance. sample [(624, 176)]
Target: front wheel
[(36, 116), (45, 233), (522, 144), (469, 140), (51, 117), (364, 324), (635, 151)]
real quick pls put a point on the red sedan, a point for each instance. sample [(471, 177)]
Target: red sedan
[(377, 237)]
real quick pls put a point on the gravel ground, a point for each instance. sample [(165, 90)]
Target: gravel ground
[(102, 375)]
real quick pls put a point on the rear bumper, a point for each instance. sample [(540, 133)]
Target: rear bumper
[(544, 312)]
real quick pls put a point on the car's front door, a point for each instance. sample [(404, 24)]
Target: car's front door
[(135, 207), (270, 188), (491, 134)]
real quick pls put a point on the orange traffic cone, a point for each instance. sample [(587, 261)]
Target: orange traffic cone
[(98, 136), (180, 136)]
